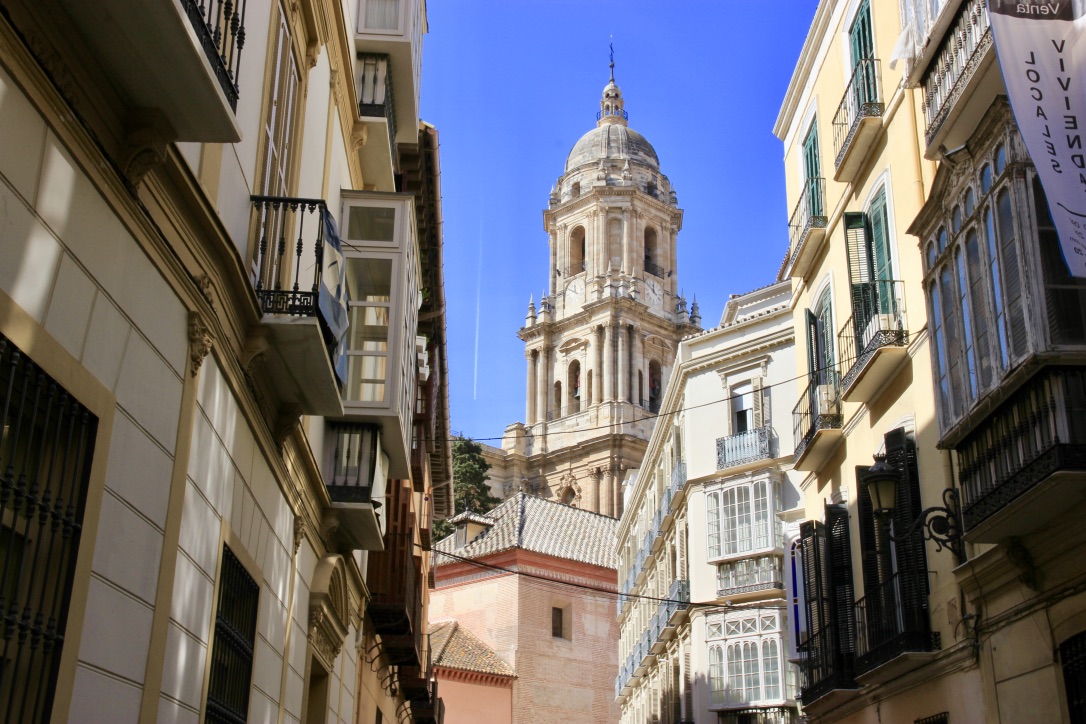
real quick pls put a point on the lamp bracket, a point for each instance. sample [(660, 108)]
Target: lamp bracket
[(940, 524)]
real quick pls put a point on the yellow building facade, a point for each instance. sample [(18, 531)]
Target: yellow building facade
[(884, 630)]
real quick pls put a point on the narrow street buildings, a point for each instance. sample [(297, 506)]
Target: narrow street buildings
[(223, 386), (707, 543)]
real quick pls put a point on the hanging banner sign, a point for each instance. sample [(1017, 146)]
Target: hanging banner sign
[(1042, 54)]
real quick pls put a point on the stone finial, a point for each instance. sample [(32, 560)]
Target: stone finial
[(695, 313)]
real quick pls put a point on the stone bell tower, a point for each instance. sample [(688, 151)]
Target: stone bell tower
[(601, 343)]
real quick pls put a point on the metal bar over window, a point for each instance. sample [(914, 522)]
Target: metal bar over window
[(46, 446)]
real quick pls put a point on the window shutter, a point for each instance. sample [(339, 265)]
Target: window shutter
[(875, 562), (861, 270), (911, 558), (840, 580), (813, 363), (816, 652), (759, 402)]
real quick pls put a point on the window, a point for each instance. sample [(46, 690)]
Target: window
[(576, 249), (974, 285), (1073, 661), (380, 15), (862, 48), (870, 271), (651, 261), (742, 519), (748, 659), (369, 289), (46, 444), (561, 622), (820, 341), (232, 649)]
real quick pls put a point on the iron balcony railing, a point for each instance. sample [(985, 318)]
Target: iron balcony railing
[(743, 447), (862, 100), (566, 411), (574, 269), (887, 628), (678, 477), (824, 665), (289, 254), (375, 93), (1037, 431), (818, 409), (750, 574), (613, 112), (963, 47), (220, 27), (654, 269), (878, 320), (808, 214)]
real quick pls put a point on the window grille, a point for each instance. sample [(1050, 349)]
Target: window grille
[(1073, 658), (46, 447), (232, 651), (941, 718)]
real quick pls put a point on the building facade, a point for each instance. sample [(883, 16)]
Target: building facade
[(534, 580), (601, 343), (711, 519), (199, 431), (952, 595)]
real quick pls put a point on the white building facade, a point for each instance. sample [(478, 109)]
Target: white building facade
[(707, 613)]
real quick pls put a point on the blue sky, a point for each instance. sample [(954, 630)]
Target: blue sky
[(512, 84)]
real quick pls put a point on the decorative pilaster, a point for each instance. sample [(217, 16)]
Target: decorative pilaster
[(623, 363)]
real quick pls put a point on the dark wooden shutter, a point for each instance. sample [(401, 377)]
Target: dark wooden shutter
[(839, 548), (911, 558)]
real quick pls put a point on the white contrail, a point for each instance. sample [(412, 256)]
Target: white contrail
[(478, 308)]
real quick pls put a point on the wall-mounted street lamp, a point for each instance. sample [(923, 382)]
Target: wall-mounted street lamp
[(940, 524)]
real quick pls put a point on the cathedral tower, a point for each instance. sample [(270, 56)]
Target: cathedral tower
[(601, 342)]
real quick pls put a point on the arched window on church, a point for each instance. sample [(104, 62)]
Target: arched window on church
[(641, 388), (576, 189), (568, 496), (652, 265), (655, 390), (573, 380), (576, 251)]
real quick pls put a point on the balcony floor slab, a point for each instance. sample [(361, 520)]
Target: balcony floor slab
[(877, 370)]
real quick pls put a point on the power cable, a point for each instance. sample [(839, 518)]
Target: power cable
[(654, 416), (596, 589)]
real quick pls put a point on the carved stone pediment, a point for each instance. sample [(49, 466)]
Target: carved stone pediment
[(329, 610)]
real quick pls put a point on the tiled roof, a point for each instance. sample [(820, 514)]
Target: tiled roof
[(542, 526), (473, 517), (454, 647)]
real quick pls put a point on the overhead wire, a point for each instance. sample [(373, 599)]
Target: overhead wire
[(597, 589), (658, 415)]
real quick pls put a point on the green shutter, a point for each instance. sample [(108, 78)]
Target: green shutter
[(813, 170)]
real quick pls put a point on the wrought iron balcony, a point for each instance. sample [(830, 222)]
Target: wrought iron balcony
[(395, 606), (560, 412), (678, 478), (886, 627), (220, 27), (742, 448), (826, 664), (817, 420), (872, 341), (966, 49), (613, 112), (1018, 454), (857, 120), (655, 269), (678, 601), (289, 254), (303, 319), (807, 226)]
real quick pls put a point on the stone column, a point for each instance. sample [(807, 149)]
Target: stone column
[(627, 242), (601, 242), (554, 261), (529, 414), (672, 242), (638, 366), (608, 376), (541, 386), (623, 363), (597, 366)]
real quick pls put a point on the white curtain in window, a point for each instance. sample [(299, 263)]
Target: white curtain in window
[(771, 669), (716, 674), (761, 515), (382, 14)]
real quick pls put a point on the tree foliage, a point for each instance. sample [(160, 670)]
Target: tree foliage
[(470, 490)]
